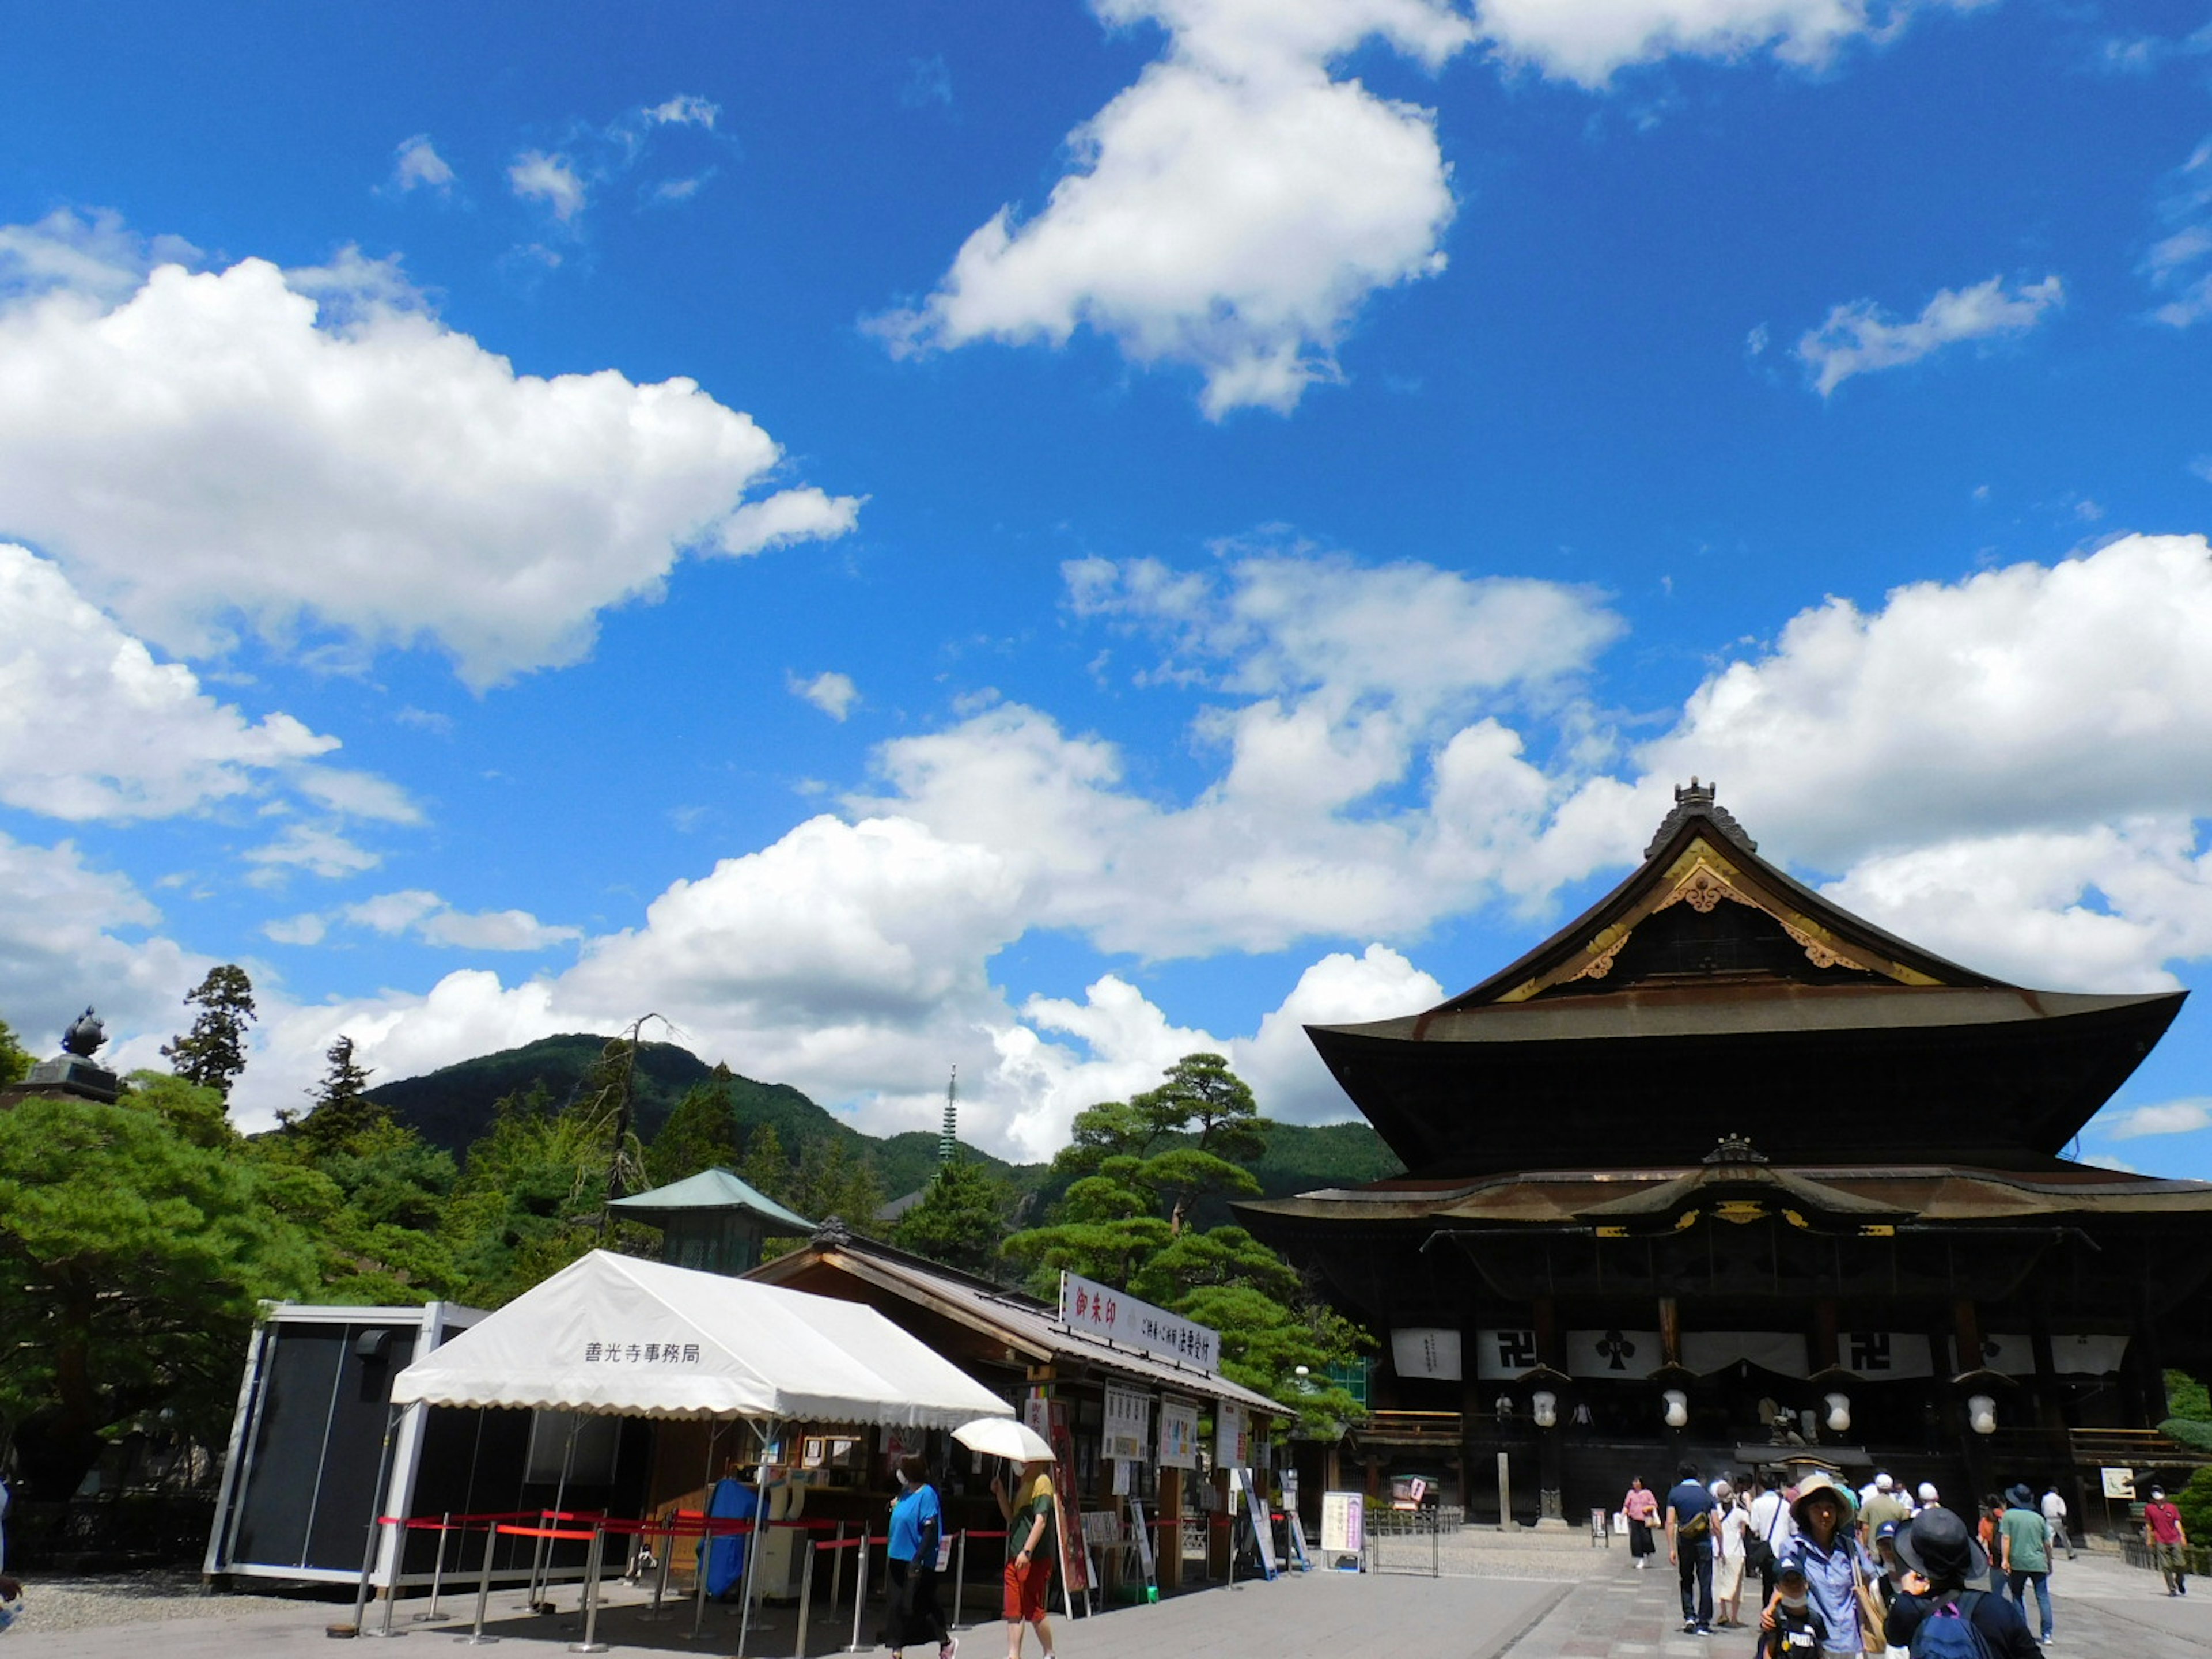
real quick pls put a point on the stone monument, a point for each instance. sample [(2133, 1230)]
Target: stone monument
[(74, 1071)]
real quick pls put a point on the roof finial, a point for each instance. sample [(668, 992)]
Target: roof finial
[(1696, 799)]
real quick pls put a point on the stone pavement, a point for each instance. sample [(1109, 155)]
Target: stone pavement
[(1498, 1599), (2102, 1608)]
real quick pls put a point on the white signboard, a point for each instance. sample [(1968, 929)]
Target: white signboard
[(1877, 1354), (1100, 1310), (1127, 1426), (1141, 1531), (1502, 1356), (1783, 1351), (2086, 1356), (1178, 1434), (1343, 1522), (1263, 1528), (1613, 1353), (2012, 1356), (2120, 1483), (1427, 1352), (1232, 1436)]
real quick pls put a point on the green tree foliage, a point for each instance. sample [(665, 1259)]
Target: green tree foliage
[(528, 1198), (701, 1134), (213, 1053), (767, 1168), (341, 1112), (2195, 1503), (1126, 1221), (133, 1258), (832, 1179), (16, 1061), (961, 1220)]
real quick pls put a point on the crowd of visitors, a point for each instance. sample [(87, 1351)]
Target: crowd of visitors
[(1839, 1571)]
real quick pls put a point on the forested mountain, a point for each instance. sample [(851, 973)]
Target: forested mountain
[(453, 1107)]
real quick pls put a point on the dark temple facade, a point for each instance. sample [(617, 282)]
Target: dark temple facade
[(1719, 1169)]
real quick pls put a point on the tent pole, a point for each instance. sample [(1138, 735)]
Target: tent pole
[(375, 1526), (542, 1558), (754, 1542), (806, 1595), (706, 1537)]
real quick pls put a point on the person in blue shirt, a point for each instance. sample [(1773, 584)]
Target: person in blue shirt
[(917, 1523), (1689, 1548), (1827, 1550)]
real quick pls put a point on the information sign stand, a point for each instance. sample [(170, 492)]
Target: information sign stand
[(1263, 1530), (1144, 1548)]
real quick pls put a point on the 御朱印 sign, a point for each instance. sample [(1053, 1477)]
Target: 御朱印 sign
[(1102, 1310)]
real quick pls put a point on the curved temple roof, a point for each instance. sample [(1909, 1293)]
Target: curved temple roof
[(1710, 991)]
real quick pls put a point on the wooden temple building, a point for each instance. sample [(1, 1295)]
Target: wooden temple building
[(1720, 1168)]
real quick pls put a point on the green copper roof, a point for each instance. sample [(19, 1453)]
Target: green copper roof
[(712, 1189)]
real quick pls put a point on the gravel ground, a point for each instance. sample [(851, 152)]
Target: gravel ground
[(85, 1602)]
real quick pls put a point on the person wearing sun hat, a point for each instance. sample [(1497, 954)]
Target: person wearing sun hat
[(1941, 1557), (2024, 1546), (1826, 1549)]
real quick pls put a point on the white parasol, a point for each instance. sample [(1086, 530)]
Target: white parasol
[(1004, 1437)]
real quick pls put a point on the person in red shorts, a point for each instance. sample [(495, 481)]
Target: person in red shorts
[(1032, 1549)]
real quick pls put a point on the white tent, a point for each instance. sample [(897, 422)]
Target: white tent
[(613, 1336)]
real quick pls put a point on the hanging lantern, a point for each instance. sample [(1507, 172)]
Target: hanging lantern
[(1545, 1405), (1982, 1414), (1839, 1413), (1678, 1408)]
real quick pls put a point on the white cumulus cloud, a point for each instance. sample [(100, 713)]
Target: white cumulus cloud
[(833, 693), (536, 176), (1588, 42), (91, 727), (2172, 1117), (1860, 338), (1232, 210), (416, 164), (219, 449)]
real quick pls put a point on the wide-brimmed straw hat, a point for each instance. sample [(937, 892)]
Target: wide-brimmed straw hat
[(1937, 1545), (1812, 1486)]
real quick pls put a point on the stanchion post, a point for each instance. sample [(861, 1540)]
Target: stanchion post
[(475, 1638), (959, 1572), (1436, 1543), (437, 1573), (699, 1590), (837, 1570), (806, 1593), (859, 1589), (655, 1614), (594, 1559)]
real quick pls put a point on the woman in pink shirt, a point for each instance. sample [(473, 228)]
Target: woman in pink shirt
[(1641, 1506)]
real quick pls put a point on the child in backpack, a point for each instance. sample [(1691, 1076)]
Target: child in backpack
[(1798, 1628)]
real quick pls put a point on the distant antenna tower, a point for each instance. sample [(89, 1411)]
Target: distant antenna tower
[(948, 1143)]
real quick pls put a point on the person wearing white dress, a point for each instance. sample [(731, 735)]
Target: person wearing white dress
[(1731, 1516)]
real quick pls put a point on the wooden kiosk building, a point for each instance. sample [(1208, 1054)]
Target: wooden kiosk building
[(1720, 1166)]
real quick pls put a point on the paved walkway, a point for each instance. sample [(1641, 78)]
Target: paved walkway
[(1498, 1599)]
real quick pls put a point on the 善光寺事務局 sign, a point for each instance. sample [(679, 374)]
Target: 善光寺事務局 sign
[(1102, 1310)]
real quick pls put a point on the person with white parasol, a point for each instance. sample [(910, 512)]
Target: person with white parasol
[(1030, 1512)]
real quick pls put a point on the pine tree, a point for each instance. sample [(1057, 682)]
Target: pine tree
[(701, 1134), (767, 1168), (213, 1053), (343, 1114), (960, 1221)]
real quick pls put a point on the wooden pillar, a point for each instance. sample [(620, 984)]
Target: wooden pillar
[(1967, 1329), (1168, 1541), (1547, 1316), (1827, 1350), (1670, 1331), (1220, 1539)]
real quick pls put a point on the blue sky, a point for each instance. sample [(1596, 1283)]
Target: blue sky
[(1039, 536)]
